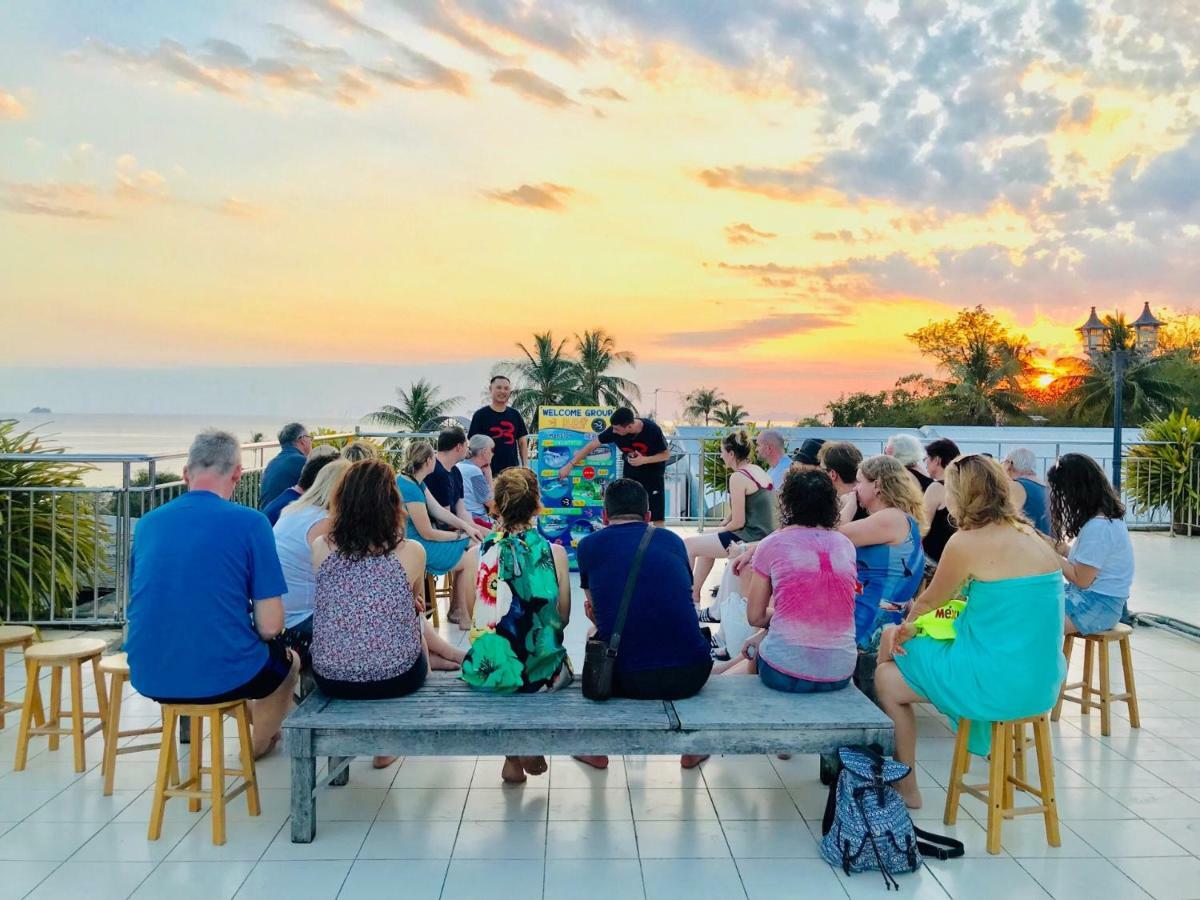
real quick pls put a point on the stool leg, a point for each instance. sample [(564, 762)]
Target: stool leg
[(247, 756), (1068, 646), (218, 778), (1041, 739), (958, 771), (166, 753), (32, 698), (112, 733), (77, 714), (997, 779), (1085, 692), (55, 703), (1135, 720), (1015, 763), (3, 695), (196, 761), (1105, 691), (101, 686)]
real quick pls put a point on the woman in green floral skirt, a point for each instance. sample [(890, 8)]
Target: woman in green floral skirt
[(522, 604)]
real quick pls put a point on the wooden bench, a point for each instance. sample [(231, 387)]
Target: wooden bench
[(733, 714)]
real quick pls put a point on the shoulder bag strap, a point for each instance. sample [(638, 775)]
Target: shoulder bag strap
[(937, 846), (630, 583)]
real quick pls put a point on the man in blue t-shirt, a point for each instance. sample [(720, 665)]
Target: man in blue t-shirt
[(663, 654), (204, 602), (295, 443)]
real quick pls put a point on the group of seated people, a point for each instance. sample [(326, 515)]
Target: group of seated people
[(830, 561)]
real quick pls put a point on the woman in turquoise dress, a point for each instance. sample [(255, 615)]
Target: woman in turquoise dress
[(522, 605), (445, 551), (1005, 660)]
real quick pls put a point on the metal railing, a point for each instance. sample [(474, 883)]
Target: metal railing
[(66, 549)]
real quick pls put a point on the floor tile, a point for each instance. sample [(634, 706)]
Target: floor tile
[(409, 840), (751, 839), (921, 884), (1099, 878), (570, 773), (1184, 832), (194, 881), (1161, 803), (683, 839), (377, 879), (754, 803), (335, 840), (19, 878), (981, 878), (1025, 838), (661, 772), (128, 842), (741, 772), (695, 879), (1127, 838), (1164, 878), (790, 879), (517, 803), (501, 840), (439, 804), (471, 879), (349, 804), (17, 802), (594, 879), (589, 804), (83, 804), (46, 840), (94, 880), (311, 879), (662, 804), (245, 842), (432, 772), (591, 840)]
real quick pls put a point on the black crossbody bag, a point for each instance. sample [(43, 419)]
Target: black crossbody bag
[(600, 658)]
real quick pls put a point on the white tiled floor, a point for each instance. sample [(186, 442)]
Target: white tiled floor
[(738, 827)]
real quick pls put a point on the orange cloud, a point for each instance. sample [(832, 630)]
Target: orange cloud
[(11, 107)]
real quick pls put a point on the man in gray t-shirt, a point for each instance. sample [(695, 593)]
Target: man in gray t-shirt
[(476, 471)]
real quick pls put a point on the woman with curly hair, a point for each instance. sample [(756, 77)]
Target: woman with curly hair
[(522, 605), (1098, 566), (1005, 659), (803, 588), (888, 541)]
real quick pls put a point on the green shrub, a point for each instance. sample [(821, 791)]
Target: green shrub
[(1164, 473)]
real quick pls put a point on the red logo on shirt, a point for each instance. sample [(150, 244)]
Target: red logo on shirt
[(636, 447), (505, 432)]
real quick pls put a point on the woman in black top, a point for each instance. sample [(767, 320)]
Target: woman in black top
[(938, 455)]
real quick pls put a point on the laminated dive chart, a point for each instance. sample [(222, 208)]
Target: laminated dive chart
[(572, 507)]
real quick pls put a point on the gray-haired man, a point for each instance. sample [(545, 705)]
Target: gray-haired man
[(476, 471), (295, 443)]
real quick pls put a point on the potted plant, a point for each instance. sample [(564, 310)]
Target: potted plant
[(1164, 472)]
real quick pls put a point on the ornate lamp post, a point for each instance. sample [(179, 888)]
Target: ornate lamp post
[(1093, 331)]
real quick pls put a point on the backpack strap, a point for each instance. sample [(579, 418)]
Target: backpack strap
[(937, 846)]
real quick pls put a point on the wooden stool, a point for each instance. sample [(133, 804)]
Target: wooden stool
[(117, 668), (1006, 773), (431, 607), (11, 636), (1087, 689), (58, 655), (193, 789)]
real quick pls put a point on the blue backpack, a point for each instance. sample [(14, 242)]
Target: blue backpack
[(867, 825)]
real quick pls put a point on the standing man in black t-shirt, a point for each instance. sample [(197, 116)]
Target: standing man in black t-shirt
[(645, 451), (504, 425)]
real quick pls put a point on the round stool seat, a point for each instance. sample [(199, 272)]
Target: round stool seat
[(118, 663), (67, 649), (1117, 633), (15, 634)]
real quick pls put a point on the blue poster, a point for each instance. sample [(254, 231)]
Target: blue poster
[(572, 507)]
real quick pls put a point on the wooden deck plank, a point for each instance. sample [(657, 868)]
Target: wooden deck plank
[(743, 703)]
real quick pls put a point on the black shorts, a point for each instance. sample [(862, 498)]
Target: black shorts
[(657, 494), (673, 683), (727, 537), (273, 673), (388, 689)]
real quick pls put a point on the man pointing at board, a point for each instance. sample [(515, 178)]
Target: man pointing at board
[(644, 449)]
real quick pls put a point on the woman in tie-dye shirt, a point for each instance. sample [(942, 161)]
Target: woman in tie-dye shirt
[(804, 585)]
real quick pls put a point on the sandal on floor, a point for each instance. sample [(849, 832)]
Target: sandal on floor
[(705, 615), (690, 761)]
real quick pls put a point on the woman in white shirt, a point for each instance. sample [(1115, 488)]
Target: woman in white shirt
[(1098, 565)]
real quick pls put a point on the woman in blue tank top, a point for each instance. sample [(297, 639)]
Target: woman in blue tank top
[(887, 543), (1031, 496)]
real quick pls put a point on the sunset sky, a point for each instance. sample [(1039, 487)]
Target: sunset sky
[(758, 196)]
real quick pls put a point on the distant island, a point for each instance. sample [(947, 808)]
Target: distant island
[(41, 409)]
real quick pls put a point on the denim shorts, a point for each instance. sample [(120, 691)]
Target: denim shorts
[(789, 684), (1092, 612)]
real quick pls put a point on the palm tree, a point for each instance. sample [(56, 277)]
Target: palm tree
[(702, 403), (418, 407), (597, 354), (731, 415), (985, 386), (1149, 391), (546, 376)]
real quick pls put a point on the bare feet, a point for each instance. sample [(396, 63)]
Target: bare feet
[(382, 762), (596, 762), (512, 773), (691, 760), (908, 789), (441, 664), (535, 765), (261, 750)]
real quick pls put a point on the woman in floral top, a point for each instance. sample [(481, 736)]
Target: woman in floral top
[(523, 602)]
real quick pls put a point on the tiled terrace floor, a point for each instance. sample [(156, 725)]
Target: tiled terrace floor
[(738, 827)]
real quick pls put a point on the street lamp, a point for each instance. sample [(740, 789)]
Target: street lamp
[(1146, 328)]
